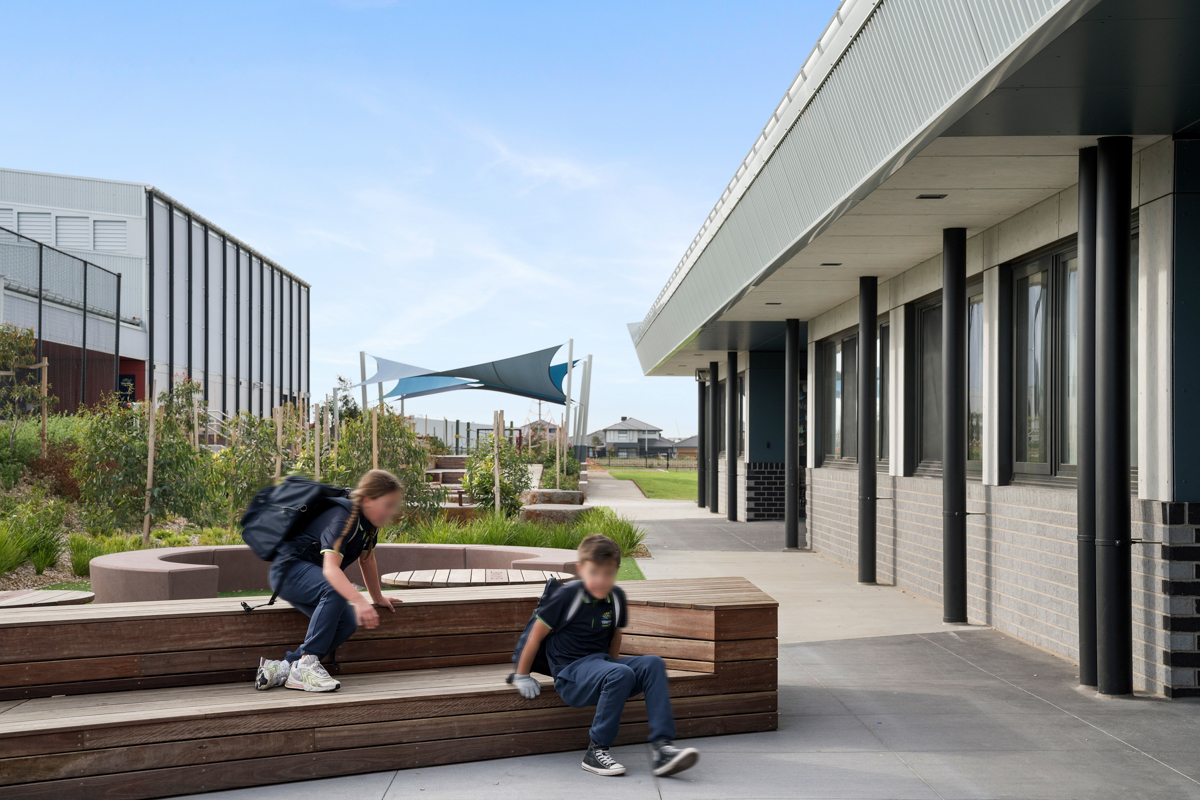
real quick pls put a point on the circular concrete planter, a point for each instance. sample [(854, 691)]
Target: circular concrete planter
[(187, 573)]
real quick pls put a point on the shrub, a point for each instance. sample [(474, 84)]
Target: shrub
[(20, 387), (211, 537), (401, 452), (111, 465), (14, 548), (479, 482), (247, 463), (85, 548), (501, 530), (56, 470), (170, 539), (38, 524)]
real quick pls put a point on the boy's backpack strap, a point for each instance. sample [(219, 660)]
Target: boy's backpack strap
[(270, 602), (575, 604)]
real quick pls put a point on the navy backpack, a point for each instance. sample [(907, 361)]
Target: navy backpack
[(540, 663)]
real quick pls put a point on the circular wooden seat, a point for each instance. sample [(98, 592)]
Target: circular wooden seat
[(44, 597), (437, 578)]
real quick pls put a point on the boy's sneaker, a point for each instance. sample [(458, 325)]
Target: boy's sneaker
[(309, 675), (271, 674), (669, 759), (600, 761)]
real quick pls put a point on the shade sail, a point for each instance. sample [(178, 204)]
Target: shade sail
[(425, 384), (387, 371)]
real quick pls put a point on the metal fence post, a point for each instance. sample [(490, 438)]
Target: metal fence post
[(39, 331)]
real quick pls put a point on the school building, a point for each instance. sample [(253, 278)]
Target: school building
[(99, 268), (965, 253)]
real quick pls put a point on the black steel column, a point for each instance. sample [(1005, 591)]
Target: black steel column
[(117, 342), (791, 434), (237, 330), (1114, 620), (191, 300), (170, 298), (868, 313), (1086, 481), (83, 351), (732, 406), (149, 379), (701, 455), (262, 366), (714, 444), (224, 326), (954, 425), (207, 319)]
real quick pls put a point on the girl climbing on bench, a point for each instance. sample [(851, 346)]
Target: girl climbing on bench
[(310, 573)]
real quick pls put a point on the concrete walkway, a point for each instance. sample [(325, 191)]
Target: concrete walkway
[(877, 699)]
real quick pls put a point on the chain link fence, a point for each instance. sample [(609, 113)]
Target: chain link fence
[(73, 308)]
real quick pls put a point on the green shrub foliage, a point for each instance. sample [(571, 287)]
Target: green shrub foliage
[(247, 463), (480, 480), (111, 463)]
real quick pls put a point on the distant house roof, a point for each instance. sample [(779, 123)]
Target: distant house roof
[(631, 424), (691, 441)]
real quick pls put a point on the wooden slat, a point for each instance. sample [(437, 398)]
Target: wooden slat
[(440, 577), (322, 764), (478, 577), (421, 577), (699, 649), (232, 748), (516, 576), (459, 577), (396, 578), (496, 577)]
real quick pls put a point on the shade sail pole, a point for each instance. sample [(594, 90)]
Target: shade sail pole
[(566, 432)]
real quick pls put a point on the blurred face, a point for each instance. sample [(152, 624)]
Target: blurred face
[(598, 579), (382, 510)]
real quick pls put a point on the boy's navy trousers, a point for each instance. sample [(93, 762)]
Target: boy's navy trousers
[(331, 618), (605, 682)]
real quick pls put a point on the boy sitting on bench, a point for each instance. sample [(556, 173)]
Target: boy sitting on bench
[(581, 624)]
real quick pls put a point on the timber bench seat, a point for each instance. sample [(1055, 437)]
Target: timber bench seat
[(151, 700)]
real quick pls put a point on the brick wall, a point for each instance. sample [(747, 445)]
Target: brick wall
[(1021, 563), (766, 491)]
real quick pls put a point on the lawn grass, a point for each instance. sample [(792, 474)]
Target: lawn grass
[(661, 484), (246, 593), (630, 571), (69, 586)]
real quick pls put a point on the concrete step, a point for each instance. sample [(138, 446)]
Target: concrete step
[(445, 475), (552, 513), (566, 497), (451, 462)]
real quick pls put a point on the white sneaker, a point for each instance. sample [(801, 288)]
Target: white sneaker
[(271, 674), (309, 675)]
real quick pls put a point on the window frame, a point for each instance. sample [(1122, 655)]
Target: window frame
[(925, 466), (974, 466), (833, 448)]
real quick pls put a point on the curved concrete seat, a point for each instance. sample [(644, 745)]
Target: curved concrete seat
[(187, 573)]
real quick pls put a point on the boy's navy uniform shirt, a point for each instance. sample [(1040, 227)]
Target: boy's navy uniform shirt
[(590, 631), (324, 535)]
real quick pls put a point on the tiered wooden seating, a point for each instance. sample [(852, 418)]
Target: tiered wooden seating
[(426, 687)]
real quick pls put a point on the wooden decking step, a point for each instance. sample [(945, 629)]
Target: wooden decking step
[(425, 687)]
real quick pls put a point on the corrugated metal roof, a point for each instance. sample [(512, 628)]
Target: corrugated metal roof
[(904, 70)]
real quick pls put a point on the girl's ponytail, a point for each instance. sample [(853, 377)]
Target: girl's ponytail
[(375, 484)]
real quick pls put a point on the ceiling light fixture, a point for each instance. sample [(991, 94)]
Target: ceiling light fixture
[(774, 304), (831, 264), (931, 197)]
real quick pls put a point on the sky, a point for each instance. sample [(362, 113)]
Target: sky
[(459, 182)]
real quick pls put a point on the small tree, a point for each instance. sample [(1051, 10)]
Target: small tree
[(111, 465), (247, 463), (20, 387), (347, 408), (480, 479), (401, 452)]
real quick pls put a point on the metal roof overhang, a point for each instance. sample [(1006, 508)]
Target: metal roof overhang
[(986, 101)]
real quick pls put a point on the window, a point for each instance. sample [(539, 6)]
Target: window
[(929, 385), (883, 386), (840, 383), (1046, 387), (975, 378)]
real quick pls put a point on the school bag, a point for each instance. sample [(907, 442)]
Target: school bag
[(540, 663), (277, 513)]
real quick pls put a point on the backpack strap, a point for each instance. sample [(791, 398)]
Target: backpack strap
[(270, 602), (575, 604)]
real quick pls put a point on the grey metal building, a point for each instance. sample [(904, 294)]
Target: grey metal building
[(964, 250), (196, 303)]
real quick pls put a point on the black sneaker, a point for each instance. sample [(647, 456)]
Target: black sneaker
[(669, 759), (600, 761)]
